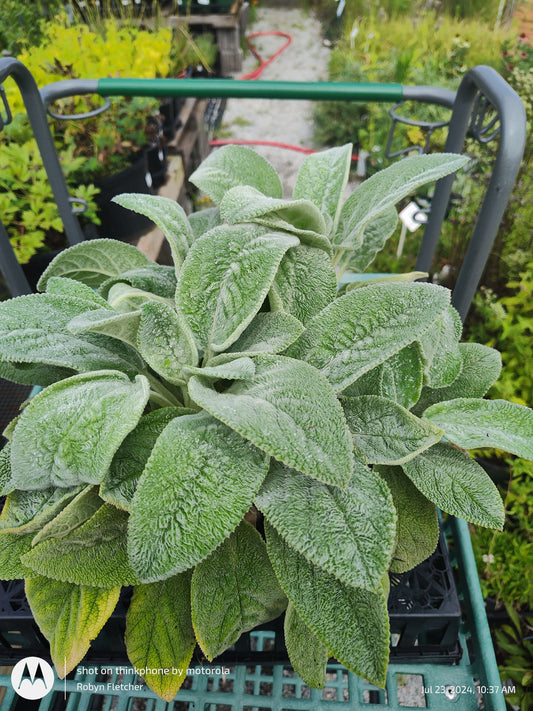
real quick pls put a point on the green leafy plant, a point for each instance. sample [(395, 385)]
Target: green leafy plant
[(515, 642), (27, 203), (233, 436)]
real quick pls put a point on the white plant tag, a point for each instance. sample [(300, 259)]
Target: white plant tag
[(413, 216)]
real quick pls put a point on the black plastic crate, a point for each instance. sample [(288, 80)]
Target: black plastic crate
[(425, 613), (12, 395), (423, 605)]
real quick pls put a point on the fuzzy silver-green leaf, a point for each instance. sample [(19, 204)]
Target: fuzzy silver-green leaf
[(115, 325), (350, 622), (225, 279), (94, 261), (120, 482), (456, 484), (197, 485), (359, 331), (305, 283), (69, 616), (380, 192), (165, 341), (417, 528), (306, 512), (322, 179), (269, 332), (289, 411), (233, 591), (385, 432), (159, 633), (440, 349), (168, 215), (472, 422), (481, 367), (92, 554), (87, 417), (236, 165), (307, 654), (33, 329)]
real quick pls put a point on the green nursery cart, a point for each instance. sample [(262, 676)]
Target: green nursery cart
[(484, 107)]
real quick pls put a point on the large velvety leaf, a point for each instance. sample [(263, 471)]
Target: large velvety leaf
[(94, 261), (385, 432), (246, 204), (93, 554), (236, 165), (375, 234), (359, 331), (110, 323), (307, 654), (158, 279), (33, 329), (276, 222), (289, 411), (128, 464), (204, 220), (6, 483), (77, 512), (322, 179), (350, 622), (473, 422), (305, 283), (40, 374), (159, 633), (124, 298), (359, 521), (63, 286), (384, 189), (440, 349), (269, 332), (29, 511), (168, 215), (457, 484), (12, 547), (69, 616), (417, 528), (87, 417), (402, 375), (224, 281), (165, 341), (233, 591), (196, 487), (481, 367), (235, 369)]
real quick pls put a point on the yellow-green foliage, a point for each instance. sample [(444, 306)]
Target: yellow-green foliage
[(419, 46), (112, 50)]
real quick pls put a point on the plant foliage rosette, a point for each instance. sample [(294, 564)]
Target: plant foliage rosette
[(236, 437)]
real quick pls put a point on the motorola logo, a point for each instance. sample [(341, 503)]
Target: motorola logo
[(32, 678)]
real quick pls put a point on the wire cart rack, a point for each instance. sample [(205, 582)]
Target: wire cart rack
[(466, 674)]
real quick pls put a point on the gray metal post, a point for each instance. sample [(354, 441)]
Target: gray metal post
[(512, 137), (37, 116)]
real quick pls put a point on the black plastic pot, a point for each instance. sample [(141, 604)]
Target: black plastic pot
[(116, 221)]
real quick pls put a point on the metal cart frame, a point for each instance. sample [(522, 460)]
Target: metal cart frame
[(482, 92)]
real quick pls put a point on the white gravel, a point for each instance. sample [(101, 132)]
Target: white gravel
[(287, 121)]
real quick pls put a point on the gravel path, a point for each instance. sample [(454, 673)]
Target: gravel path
[(305, 59)]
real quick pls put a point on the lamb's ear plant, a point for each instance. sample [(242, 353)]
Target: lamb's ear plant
[(235, 437)]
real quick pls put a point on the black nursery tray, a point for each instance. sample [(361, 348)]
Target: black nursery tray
[(423, 605)]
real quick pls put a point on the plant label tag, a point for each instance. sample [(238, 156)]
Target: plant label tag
[(413, 216)]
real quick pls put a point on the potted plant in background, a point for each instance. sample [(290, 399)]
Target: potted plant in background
[(127, 137), (235, 437)]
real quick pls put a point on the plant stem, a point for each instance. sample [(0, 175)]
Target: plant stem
[(160, 394)]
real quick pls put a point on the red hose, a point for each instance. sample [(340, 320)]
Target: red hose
[(263, 63), (253, 76)]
